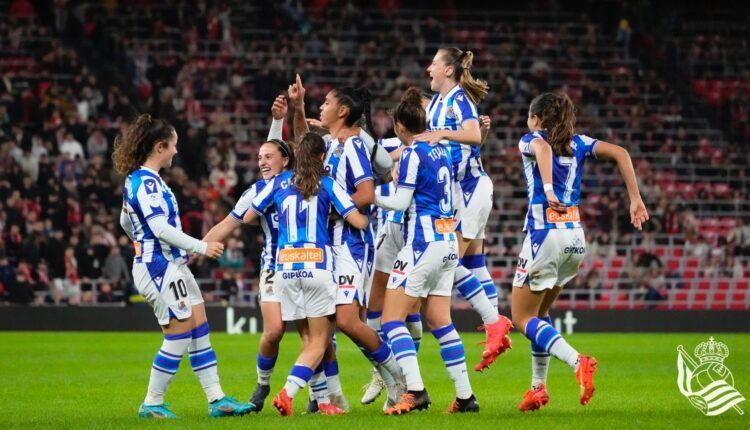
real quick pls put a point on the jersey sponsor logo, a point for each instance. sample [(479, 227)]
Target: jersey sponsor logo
[(300, 255), (572, 215), (137, 246), (399, 267), (450, 257), (522, 263), (574, 250), (299, 274), (444, 225), (346, 281)]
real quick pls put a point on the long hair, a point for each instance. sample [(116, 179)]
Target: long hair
[(358, 100), (284, 150), (410, 113), (133, 148), (475, 89), (558, 115), (308, 168)]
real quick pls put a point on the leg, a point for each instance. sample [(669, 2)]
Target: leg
[(347, 320), (540, 357), (471, 288), (414, 324), (474, 260), (268, 351)]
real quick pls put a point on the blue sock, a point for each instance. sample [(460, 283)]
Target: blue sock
[(331, 369), (539, 361), (547, 339), (405, 352), (204, 363), (478, 267), (414, 325), (297, 379), (165, 365), (454, 358), (265, 367), (470, 287)]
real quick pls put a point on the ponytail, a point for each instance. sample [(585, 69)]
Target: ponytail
[(308, 167), (558, 117), (476, 89)]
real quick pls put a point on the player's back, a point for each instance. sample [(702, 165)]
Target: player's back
[(567, 172), (146, 196), (428, 172)]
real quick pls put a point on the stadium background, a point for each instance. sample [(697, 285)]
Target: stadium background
[(667, 80)]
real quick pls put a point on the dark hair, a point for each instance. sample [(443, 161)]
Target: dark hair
[(358, 101), (476, 89), (410, 113), (308, 169), (284, 150), (558, 116), (133, 148)]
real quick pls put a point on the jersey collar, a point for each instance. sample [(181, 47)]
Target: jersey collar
[(451, 92)]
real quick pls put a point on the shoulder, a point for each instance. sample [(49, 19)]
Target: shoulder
[(528, 137), (460, 96)]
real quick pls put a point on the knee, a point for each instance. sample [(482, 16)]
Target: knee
[(273, 333), (520, 321)]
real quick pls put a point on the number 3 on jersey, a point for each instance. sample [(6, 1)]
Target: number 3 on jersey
[(444, 178)]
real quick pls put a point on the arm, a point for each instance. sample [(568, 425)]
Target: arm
[(297, 97), (365, 194), (397, 202), (249, 216), (126, 224), (484, 127), (608, 151), (469, 135), (221, 231), (357, 220), (381, 161), (174, 236), (543, 153), (278, 111)]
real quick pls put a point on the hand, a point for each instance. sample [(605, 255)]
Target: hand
[(429, 136), (214, 250), (315, 123), (484, 126), (297, 93), (638, 213), (279, 108), (554, 203)]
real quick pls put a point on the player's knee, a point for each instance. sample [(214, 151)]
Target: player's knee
[(272, 333)]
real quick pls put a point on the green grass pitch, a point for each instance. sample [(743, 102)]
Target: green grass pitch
[(98, 380)]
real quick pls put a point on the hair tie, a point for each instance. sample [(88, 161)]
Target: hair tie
[(282, 147)]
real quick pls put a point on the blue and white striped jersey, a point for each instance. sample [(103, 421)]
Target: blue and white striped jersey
[(391, 144), (269, 222), (566, 181), (427, 170), (349, 165), (450, 113), (147, 196), (304, 241)]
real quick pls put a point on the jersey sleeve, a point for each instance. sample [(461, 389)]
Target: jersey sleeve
[(340, 199), (390, 144), (264, 198), (150, 198), (408, 168), (358, 159), (587, 146), (463, 108), (244, 202), (524, 145)]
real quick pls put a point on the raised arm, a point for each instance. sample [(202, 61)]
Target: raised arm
[(484, 127), (297, 97), (278, 112), (608, 151)]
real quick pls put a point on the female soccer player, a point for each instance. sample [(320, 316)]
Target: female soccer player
[(424, 267), (452, 119), (304, 261), (348, 163), (151, 219), (555, 244)]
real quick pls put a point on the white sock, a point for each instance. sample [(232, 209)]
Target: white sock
[(470, 287), (403, 349), (204, 364), (332, 377), (454, 358), (539, 367), (319, 386), (484, 277), (414, 325), (264, 367), (165, 365), (297, 379)]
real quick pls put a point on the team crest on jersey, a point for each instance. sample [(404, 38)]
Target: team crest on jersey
[(182, 306), (450, 114), (338, 151)]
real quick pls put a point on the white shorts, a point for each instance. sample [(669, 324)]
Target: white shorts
[(550, 258), (351, 275), (266, 287), (172, 292), (472, 215), (388, 243), (425, 270), (305, 293)]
